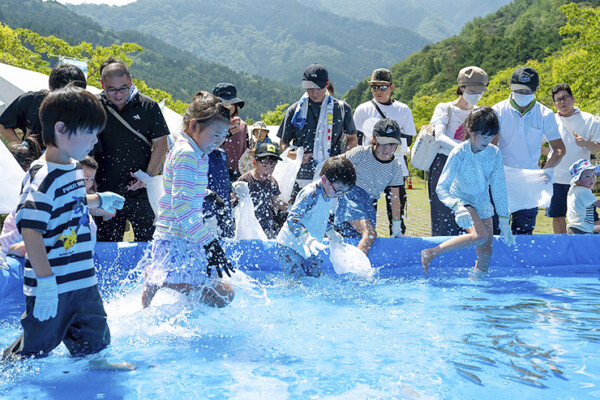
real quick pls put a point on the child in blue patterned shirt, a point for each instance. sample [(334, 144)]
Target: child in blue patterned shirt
[(299, 244)]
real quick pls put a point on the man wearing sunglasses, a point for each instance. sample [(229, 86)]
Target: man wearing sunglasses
[(383, 106), (134, 139)]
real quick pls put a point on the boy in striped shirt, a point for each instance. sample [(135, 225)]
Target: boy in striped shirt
[(63, 303)]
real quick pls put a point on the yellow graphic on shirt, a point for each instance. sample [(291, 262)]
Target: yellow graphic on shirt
[(69, 240), (330, 118)]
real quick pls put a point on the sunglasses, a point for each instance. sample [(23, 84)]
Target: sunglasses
[(122, 90), (383, 88)]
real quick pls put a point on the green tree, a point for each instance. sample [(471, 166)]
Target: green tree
[(276, 116)]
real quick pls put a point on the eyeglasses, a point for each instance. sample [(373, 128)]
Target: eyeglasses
[(383, 88), (340, 192), (122, 90), (562, 99)]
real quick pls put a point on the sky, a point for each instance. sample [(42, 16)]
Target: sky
[(108, 2)]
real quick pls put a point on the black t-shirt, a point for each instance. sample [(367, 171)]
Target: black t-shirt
[(23, 112), (306, 136), (119, 151), (261, 193)]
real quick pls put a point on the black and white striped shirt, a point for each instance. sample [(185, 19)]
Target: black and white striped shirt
[(53, 202)]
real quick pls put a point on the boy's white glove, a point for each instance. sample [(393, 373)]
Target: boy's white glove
[(334, 237), (3, 263), (111, 202), (462, 216), (505, 232), (241, 189), (46, 298), (312, 246), (396, 228)]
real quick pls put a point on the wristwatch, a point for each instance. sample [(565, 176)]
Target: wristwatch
[(150, 174)]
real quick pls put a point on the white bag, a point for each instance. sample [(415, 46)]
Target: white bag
[(10, 180), (424, 149), (246, 224), (349, 259), (154, 188), (285, 172), (527, 188)]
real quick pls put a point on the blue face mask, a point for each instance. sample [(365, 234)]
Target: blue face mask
[(523, 100)]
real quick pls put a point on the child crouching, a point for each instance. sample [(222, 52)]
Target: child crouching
[(581, 201), (184, 252), (299, 244)]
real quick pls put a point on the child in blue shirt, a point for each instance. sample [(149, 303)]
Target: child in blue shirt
[(299, 244)]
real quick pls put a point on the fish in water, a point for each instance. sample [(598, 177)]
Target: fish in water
[(524, 380), (535, 366), (510, 353), (523, 344), (554, 368), (486, 359), (526, 372), (470, 376), (467, 366)]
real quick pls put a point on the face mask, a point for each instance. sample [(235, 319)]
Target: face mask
[(523, 100), (472, 99)]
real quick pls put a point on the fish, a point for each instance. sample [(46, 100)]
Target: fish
[(523, 344), (524, 380), (526, 372), (535, 366), (500, 336), (510, 353), (486, 359), (469, 375), (546, 354), (467, 366), (495, 342), (554, 368), (594, 338)]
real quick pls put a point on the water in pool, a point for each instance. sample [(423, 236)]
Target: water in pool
[(387, 337)]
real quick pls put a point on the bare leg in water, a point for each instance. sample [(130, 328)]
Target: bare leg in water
[(218, 295), (480, 235)]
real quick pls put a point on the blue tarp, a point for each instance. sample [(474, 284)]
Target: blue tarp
[(562, 255)]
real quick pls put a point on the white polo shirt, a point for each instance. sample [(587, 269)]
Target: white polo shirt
[(583, 124), (521, 136), (366, 115)]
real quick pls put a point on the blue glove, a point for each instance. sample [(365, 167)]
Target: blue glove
[(46, 298), (111, 202)]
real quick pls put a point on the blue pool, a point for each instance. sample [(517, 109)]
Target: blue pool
[(530, 330)]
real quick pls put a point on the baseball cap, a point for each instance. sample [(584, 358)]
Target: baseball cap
[(315, 77), (228, 93), (267, 150), (578, 167), (525, 78), (387, 131), (381, 75), (473, 77)]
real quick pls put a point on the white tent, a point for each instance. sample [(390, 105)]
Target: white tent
[(15, 81)]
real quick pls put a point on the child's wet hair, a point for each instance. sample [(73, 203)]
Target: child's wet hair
[(206, 109), (482, 121), (89, 162), (339, 169), (77, 108), (26, 152)]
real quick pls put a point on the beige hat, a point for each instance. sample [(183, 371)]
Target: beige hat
[(474, 78), (259, 125)]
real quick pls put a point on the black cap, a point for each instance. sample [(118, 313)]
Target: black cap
[(315, 77), (387, 131), (228, 93), (525, 78), (267, 150)]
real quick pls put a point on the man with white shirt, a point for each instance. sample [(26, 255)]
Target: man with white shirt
[(524, 124), (382, 106), (580, 131)]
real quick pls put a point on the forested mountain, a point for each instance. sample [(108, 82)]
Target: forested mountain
[(273, 38), (521, 31), (161, 65), (433, 19)]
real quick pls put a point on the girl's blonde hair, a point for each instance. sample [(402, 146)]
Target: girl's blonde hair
[(205, 108)]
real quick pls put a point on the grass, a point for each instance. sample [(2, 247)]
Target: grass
[(418, 221)]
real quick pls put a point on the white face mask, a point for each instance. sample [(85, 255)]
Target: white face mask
[(472, 99), (523, 100)]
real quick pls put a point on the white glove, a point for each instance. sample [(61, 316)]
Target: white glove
[(462, 216), (505, 232), (241, 189), (3, 263), (396, 228), (111, 202), (334, 237), (46, 298), (548, 176), (312, 246)]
